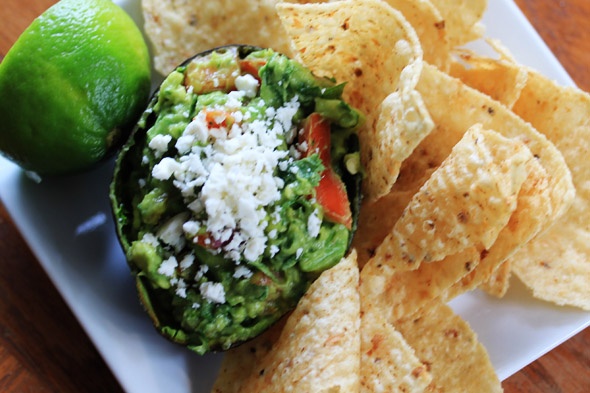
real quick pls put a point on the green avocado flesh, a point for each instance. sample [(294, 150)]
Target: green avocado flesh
[(217, 195)]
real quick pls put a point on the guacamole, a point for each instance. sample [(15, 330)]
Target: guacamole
[(239, 186)]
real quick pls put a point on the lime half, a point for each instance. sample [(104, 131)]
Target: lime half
[(72, 87)]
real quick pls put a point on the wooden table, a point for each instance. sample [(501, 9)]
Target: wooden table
[(42, 346)]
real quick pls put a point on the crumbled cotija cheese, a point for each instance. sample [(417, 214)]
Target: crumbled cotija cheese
[(229, 173), (212, 292)]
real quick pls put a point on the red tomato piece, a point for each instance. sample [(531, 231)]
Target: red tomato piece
[(252, 66), (217, 118), (331, 192)]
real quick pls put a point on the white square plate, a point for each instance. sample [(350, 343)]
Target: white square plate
[(67, 224)]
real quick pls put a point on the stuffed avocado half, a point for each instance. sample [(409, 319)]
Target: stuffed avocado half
[(239, 185)]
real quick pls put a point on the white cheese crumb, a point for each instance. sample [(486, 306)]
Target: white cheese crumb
[(168, 267), (181, 289), (187, 261), (298, 252), (212, 292), (159, 144), (172, 233), (150, 239), (165, 168), (314, 224), (242, 272), (184, 143), (201, 272), (191, 228), (197, 128), (248, 84), (274, 250)]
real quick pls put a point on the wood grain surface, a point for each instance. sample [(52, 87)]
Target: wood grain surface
[(44, 349)]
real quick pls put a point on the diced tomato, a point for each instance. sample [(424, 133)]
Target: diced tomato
[(316, 135), (217, 118), (330, 192), (252, 66)]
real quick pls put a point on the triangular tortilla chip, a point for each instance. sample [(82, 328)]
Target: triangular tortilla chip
[(449, 348), (438, 240), (318, 349), (528, 220), (556, 265), (466, 202)]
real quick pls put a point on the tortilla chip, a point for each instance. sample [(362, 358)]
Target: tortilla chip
[(180, 29), (450, 349), (466, 202), (399, 294), (441, 92), (376, 221), (556, 265), (402, 293), (354, 42), (451, 222), (534, 207), (239, 363), (370, 46), (498, 283), (402, 124), (429, 24), (317, 350), (502, 79), (462, 19), (388, 363)]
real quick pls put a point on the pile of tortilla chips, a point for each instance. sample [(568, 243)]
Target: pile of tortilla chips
[(475, 169)]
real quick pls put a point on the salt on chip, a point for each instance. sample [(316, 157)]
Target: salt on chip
[(443, 341), (556, 265), (462, 19), (372, 47), (318, 349)]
